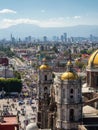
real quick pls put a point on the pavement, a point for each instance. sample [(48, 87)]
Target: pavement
[(27, 112)]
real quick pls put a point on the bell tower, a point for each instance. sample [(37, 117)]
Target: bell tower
[(44, 87), (69, 100)]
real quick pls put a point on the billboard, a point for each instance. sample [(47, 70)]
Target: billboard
[(4, 61)]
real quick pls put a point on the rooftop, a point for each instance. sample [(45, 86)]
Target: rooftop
[(9, 120)]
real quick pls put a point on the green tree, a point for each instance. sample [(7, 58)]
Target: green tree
[(17, 75), (79, 64), (11, 85)]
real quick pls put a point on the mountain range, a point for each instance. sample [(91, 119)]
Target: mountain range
[(24, 30)]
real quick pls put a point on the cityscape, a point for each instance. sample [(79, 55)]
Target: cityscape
[(48, 65), (60, 39)]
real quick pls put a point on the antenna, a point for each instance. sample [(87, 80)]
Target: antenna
[(69, 64)]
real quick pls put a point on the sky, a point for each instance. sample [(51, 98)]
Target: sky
[(48, 13)]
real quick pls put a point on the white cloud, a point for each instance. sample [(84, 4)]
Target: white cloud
[(74, 17), (77, 17), (6, 23), (6, 11), (53, 22)]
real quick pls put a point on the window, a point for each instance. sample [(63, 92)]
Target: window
[(46, 96), (71, 91), (63, 93), (39, 116), (45, 77), (71, 96), (71, 115), (96, 80), (45, 90)]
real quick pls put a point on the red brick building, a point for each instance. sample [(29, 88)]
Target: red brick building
[(9, 123)]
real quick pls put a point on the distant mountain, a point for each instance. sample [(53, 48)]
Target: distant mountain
[(24, 30)]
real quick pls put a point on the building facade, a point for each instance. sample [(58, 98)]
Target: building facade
[(44, 87), (62, 109)]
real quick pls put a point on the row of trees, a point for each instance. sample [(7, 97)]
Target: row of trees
[(10, 85)]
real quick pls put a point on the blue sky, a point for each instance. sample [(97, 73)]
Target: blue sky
[(48, 13)]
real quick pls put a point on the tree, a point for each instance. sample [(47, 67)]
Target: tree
[(79, 64), (11, 85), (17, 75)]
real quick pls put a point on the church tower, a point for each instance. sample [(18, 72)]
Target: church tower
[(69, 100), (44, 87)]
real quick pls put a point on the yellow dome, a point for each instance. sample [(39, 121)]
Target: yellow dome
[(69, 63), (44, 67), (93, 60), (69, 76)]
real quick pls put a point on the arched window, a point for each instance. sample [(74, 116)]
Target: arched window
[(71, 91), (45, 88), (71, 96), (45, 77), (71, 115)]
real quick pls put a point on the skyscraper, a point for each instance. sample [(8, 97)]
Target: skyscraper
[(65, 37)]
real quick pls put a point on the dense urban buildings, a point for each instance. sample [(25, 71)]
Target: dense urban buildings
[(49, 65), (63, 38), (59, 84)]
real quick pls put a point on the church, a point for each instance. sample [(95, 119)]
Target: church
[(60, 98), (92, 71)]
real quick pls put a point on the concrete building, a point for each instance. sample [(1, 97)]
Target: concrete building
[(6, 72)]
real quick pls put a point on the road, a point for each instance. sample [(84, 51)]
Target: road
[(27, 112)]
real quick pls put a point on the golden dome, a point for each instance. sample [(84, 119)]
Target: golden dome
[(69, 76), (69, 63), (44, 67), (93, 60)]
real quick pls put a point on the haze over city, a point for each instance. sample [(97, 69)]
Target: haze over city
[(48, 17)]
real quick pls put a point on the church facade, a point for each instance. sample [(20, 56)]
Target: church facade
[(60, 99)]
